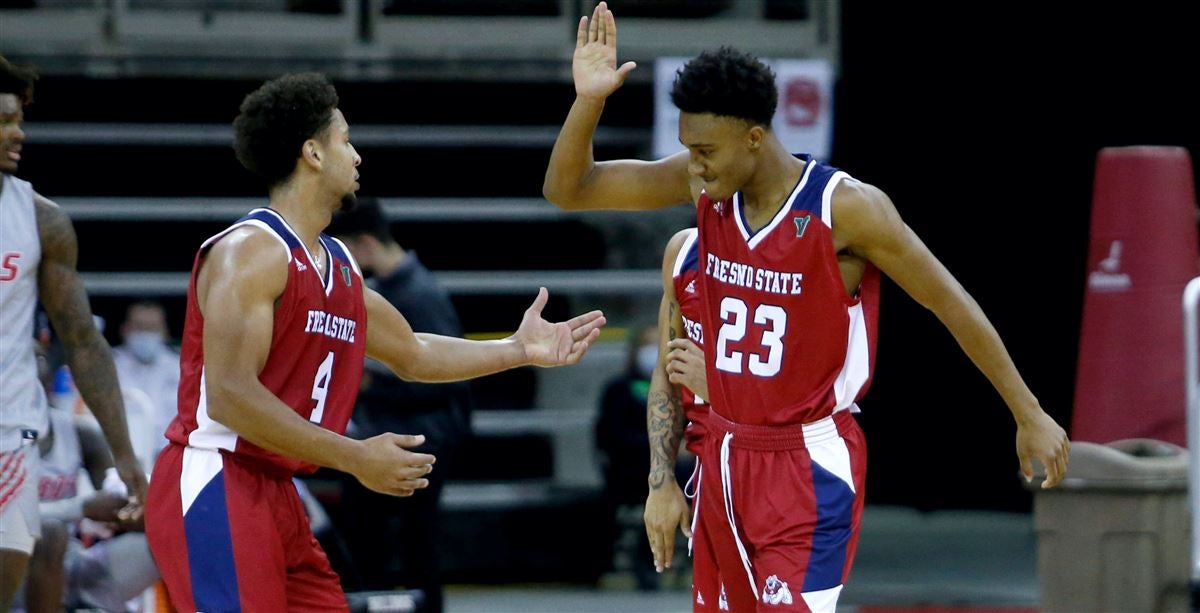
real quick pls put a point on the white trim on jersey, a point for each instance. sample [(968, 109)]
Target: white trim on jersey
[(857, 367), (349, 255), (250, 222), (822, 601), (827, 197), (327, 282), (683, 251), (209, 433), (832, 454), (779, 215), (199, 468)]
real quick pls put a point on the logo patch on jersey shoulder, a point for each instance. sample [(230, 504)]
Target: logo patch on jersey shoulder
[(300, 266), (801, 225), (691, 287), (346, 274)]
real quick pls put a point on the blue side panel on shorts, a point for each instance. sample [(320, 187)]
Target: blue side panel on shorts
[(835, 510), (210, 550)]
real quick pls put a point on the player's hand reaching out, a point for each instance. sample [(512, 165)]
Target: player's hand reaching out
[(685, 366), (595, 63), (547, 344), (387, 467), (1042, 439)]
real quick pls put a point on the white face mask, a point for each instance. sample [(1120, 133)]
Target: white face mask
[(646, 360), (145, 346)]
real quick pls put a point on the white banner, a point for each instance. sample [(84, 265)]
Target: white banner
[(803, 119)]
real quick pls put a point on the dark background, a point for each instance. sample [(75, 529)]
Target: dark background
[(981, 123)]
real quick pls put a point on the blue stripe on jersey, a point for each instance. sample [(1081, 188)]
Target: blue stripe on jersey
[(835, 509), (691, 259), (809, 198), (335, 249), (276, 223), (210, 550)]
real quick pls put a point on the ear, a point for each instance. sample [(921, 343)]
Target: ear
[(311, 153), (755, 137)]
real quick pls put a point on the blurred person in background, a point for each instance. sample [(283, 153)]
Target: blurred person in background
[(148, 369), (788, 298), (38, 253), (88, 556), (383, 528), (625, 449)]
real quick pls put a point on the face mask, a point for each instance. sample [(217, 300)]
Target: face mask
[(145, 346), (646, 360)]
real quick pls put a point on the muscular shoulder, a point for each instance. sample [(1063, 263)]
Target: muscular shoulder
[(248, 256), (861, 211), (55, 232)]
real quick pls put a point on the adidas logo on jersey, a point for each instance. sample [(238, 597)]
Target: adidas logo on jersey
[(300, 266), (722, 602), (699, 598), (691, 287)]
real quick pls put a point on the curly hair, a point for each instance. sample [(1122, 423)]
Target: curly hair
[(277, 118), (17, 80), (728, 83)]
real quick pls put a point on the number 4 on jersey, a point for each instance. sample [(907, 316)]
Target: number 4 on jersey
[(321, 388), (733, 314)]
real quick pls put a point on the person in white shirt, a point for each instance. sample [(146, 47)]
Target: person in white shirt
[(149, 373)]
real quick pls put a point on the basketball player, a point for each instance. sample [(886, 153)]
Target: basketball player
[(37, 262), (277, 326), (787, 352), (670, 406)]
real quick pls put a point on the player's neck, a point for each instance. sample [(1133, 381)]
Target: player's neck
[(775, 175), (304, 211)]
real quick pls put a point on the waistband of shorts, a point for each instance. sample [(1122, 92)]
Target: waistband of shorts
[(777, 438)]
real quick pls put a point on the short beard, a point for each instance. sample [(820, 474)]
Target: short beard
[(349, 202)]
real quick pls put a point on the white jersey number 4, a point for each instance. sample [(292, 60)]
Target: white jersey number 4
[(321, 388), (734, 315)]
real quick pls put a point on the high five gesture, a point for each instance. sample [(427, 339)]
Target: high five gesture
[(595, 63)]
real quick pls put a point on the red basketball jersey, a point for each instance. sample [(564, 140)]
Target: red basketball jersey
[(785, 344), (315, 361), (685, 275)]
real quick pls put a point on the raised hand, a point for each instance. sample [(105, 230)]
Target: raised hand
[(1044, 440), (547, 344), (595, 63), (388, 468)]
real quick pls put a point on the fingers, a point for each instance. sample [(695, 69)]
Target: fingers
[(1026, 468), (668, 548), (593, 24), (581, 36), (625, 69), (602, 29), (611, 28), (584, 325), (1056, 469), (685, 522), (408, 440), (580, 347), (539, 303)]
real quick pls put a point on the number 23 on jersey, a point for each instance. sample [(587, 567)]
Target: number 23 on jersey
[(770, 319)]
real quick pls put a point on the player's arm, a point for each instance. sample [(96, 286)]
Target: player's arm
[(88, 354), (868, 225), (237, 288), (666, 507), (574, 180), (432, 358)]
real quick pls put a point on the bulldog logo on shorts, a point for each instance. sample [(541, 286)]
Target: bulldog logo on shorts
[(776, 592)]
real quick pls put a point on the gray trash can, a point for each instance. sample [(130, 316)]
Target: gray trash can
[(1114, 536)]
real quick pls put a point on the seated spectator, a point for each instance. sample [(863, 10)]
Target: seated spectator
[(148, 370)]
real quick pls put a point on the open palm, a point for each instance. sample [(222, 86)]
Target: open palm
[(556, 344), (595, 63)]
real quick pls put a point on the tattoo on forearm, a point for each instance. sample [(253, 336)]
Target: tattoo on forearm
[(665, 422)]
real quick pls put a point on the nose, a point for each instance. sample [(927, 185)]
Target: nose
[(695, 168), (357, 159), (17, 134)]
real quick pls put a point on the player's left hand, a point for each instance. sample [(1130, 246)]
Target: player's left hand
[(130, 471), (685, 366), (1042, 439), (547, 344)]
